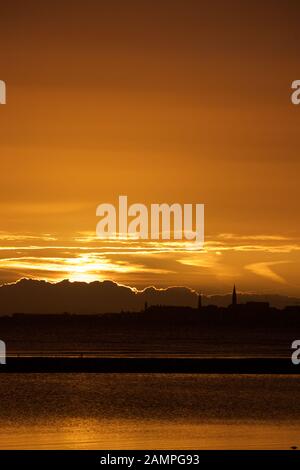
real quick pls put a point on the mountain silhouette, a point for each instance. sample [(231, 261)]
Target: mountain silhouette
[(37, 296)]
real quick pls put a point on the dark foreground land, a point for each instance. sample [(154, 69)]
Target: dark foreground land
[(247, 339), (150, 365)]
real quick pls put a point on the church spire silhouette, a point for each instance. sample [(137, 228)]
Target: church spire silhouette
[(234, 297)]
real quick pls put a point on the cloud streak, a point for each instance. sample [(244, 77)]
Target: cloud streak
[(225, 258), (265, 270)]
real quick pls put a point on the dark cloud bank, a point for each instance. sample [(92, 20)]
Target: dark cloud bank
[(33, 296)]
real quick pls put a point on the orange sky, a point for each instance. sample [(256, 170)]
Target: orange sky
[(168, 102)]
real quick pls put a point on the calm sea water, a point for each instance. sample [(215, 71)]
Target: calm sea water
[(150, 411)]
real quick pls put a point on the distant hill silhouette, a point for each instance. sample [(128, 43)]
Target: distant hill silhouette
[(34, 296)]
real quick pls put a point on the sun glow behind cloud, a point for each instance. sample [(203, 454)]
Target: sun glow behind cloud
[(225, 258)]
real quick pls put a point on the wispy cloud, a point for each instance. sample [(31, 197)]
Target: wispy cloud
[(7, 236), (264, 269), (261, 237), (224, 258)]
